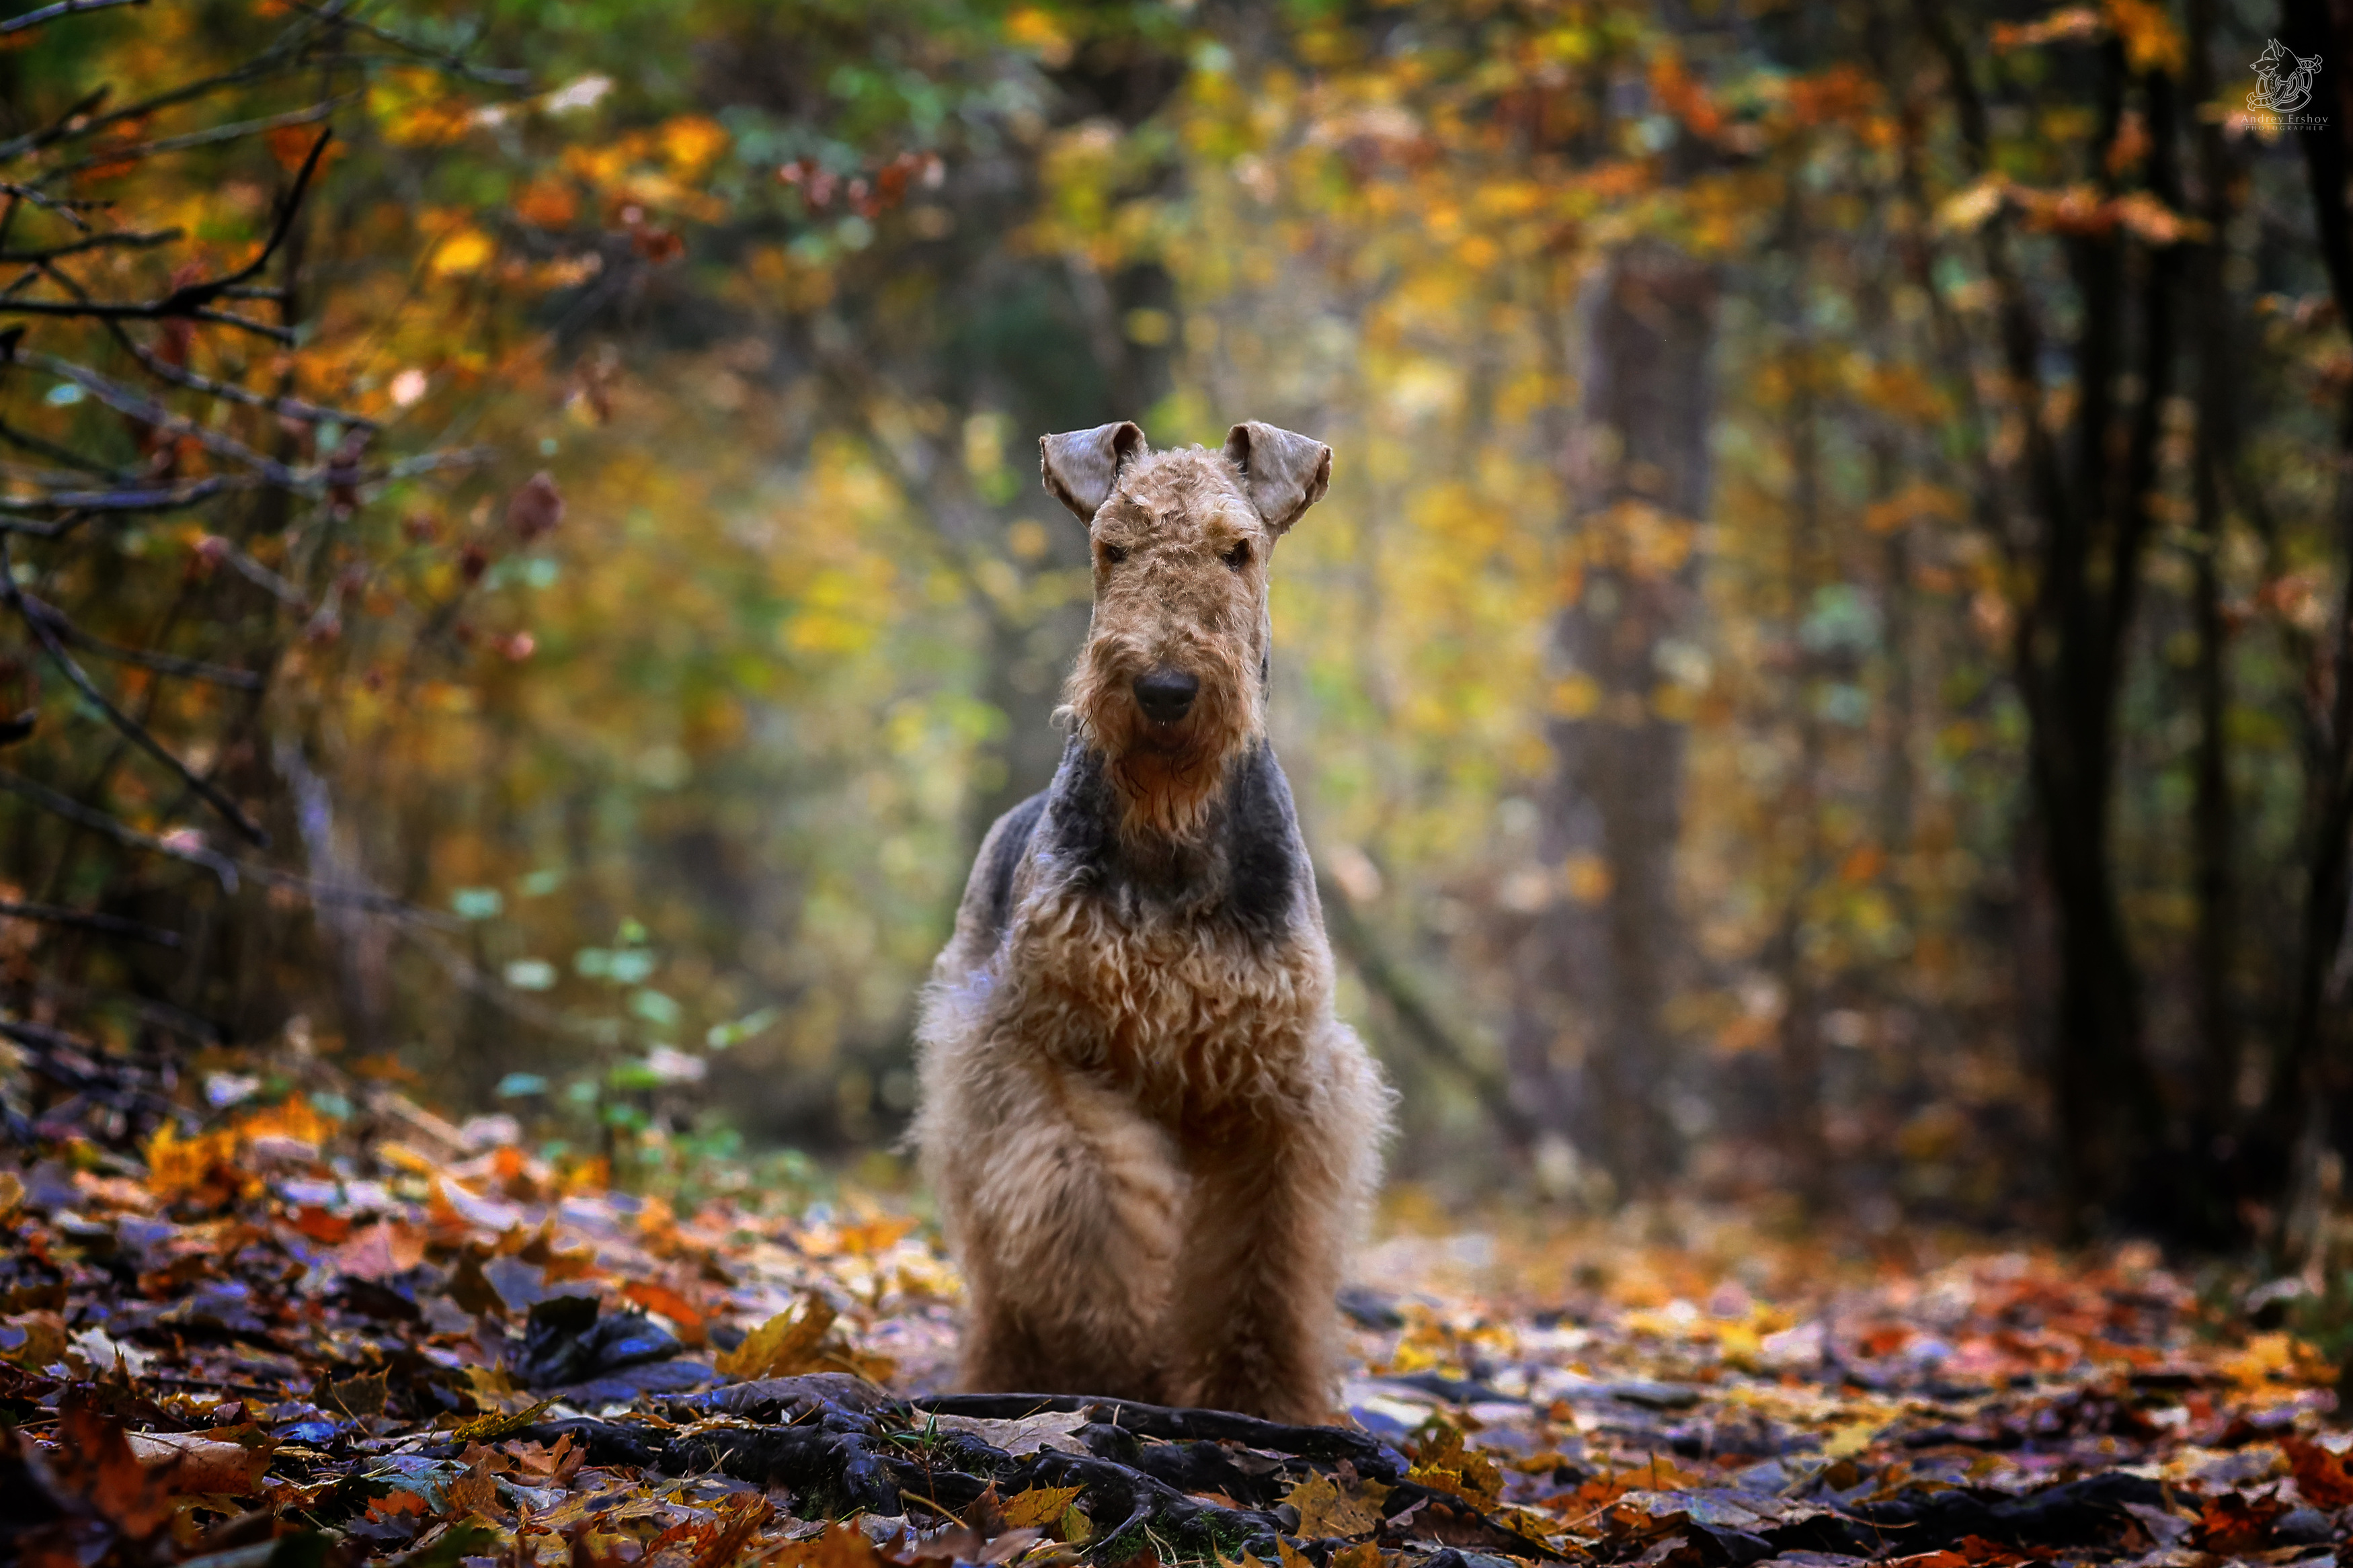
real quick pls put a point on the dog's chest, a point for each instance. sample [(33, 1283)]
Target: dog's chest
[(1189, 1013)]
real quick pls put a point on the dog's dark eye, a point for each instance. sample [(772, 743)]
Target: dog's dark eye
[(1238, 556), (1113, 554)]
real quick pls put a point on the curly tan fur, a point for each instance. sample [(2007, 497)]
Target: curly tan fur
[(1152, 1140)]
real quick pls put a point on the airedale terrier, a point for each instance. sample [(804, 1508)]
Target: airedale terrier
[(1152, 1140)]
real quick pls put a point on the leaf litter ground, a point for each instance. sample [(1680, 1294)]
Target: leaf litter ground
[(288, 1341)]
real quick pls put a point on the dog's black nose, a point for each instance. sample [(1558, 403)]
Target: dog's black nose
[(1167, 694)]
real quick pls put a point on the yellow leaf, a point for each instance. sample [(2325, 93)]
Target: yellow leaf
[(2150, 40), (1445, 1465), (1326, 1510), (691, 142), (787, 1343), (1851, 1440), (1040, 1506), (491, 1427), (468, 250), (1967, 210)]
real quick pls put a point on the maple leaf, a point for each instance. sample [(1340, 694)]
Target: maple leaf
[(798, 1340), (2323, 1478), (2233, 1523), (1324, 1510), (1443, 1464)]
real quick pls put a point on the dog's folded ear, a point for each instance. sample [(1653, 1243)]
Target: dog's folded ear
[(1282, 473), (1082, 466)]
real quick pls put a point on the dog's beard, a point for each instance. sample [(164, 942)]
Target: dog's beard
[(1166, 775)]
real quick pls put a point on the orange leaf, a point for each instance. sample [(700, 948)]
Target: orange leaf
[(2322, 1477)]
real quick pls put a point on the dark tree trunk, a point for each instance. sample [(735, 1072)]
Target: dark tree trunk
[(2313, 1090), (2213, 844), (1590, 1052)]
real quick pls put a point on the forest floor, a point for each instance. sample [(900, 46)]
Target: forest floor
[(287, 1341)]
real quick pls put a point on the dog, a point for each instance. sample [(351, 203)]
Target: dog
[(1152, 1140)]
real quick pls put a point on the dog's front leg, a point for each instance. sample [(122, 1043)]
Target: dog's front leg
[(1278, 1197), (1064, 1204)]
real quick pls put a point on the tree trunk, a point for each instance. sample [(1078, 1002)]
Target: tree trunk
[(1590, 1051), (2313, 1092)]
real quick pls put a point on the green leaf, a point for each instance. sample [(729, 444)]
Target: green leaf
[(477, 903)]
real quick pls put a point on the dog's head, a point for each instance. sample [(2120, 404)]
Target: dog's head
[(1172, 685)]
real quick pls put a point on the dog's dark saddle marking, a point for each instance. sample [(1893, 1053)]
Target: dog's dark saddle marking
[(1249, 876)]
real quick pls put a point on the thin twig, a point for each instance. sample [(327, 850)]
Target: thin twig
[(102, 310), (123, 400), (271, 60), (140, 239), (492, 75), (166, 499), (58, 205), (61, 8), (89, 919), (286, 407), (192, 302), (130, 838), (133, 728), (219, 133), (163, 663)]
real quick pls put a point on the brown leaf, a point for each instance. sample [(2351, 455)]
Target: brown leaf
[(2233, 1524), (201, 1464), (94, 1460), (380, 1251), (536, 508), (473, 1492), (843, 1546), (2322, 1477), (360, 1395)]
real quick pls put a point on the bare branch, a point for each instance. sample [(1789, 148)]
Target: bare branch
[(58, 205), (163, 663), (193, 301), (277, 57), (130, 838), (56, 454), (123, 400), (285, 407), (207, 138), (61, 8), (151, 311), (140, 239), (89, 919), (167, 498), (164, 370), (455, 64), (131, 728)]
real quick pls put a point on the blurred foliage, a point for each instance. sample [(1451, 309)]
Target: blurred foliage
[(778, 297)]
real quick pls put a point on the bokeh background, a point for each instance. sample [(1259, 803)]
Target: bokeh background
[(1820, 682)]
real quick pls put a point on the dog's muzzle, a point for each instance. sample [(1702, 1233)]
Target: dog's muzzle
[(1167, 694)]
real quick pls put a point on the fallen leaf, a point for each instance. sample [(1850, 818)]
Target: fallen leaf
[(1325, 1511), (201, 1464), (2322, 1477), (1021, 1438), (2233, 1524), (784, 1344), (1040, 1506), (491, 1427)]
